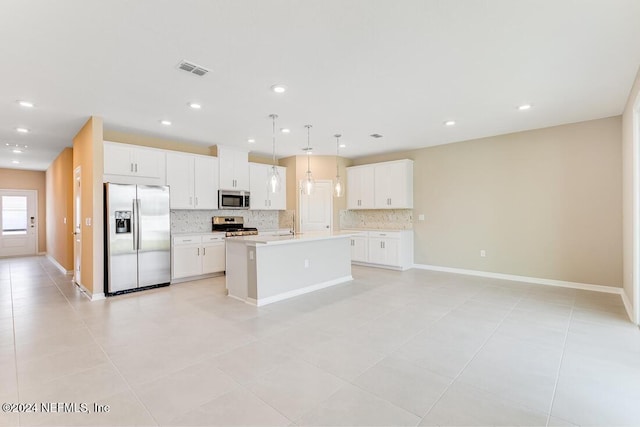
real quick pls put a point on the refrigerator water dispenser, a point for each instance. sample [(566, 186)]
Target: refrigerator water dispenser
[(123, 222)]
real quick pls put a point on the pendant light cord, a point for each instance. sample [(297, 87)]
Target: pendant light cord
[(308, 139), (337, 154), (274, 117)]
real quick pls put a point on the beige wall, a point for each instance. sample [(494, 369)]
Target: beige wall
[(14, 179), (88, 155), (149, 141), (544, 203), (322, 168), (628, 157), (59, 178)]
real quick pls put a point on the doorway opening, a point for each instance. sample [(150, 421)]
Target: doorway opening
[(77, 226), (19, 225)]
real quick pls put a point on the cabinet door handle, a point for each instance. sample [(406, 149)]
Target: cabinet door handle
[(204, 251), (190, 200), (131, 166), (196, 201), (136, 167), (198, 251)]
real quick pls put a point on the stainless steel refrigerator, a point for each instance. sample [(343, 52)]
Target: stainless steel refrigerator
[(137, 237)]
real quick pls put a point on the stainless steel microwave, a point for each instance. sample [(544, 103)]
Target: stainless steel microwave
[(233, 199)]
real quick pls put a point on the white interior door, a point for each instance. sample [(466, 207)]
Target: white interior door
[(19, 236), (77, 226), (316, 210)]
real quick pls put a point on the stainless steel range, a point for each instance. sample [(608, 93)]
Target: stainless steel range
[(232, 226)]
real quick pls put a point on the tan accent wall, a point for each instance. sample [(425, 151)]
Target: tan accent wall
[(545, 203), (88, 154), (16, 179), (322, 168), (59, 179), (628, 192)]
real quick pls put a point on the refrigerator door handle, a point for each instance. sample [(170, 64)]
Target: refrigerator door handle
[(135, 225), (139, 224)]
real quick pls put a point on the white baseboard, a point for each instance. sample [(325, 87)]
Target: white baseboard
[(387, 267), (90, 295), (97, 297), (628, 306), (58, 265), (286, 295), (525, 279)]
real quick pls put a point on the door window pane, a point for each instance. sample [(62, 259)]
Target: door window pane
[(14, 215)]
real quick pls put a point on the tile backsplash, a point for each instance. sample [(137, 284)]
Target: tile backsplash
[(189, 221), (388, 219)]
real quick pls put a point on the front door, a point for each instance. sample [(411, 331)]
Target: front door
[(316, 210), (19, 236)]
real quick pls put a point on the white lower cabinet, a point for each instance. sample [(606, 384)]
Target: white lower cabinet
[(213, 257), (359, 247), (387, 249), (384, 250), (197, 254)]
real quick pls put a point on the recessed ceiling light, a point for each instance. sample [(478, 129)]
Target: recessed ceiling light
[(251, 140), (450, 123), (16, 150), (279, 88), (285, 130), (22, 130), (195, 105), (15, 162), (524, 107), (343, 145), (26, 104), (165, 122)]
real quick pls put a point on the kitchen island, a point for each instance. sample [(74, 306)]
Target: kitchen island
[(264, 269)]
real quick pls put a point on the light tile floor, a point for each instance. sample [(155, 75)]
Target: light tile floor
[(389, 348)]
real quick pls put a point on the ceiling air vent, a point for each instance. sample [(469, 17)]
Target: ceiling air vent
[(192, 68), (375, 135)]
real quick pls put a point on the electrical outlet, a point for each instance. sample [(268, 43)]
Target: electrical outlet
[(421, 217), (483, 253), (64, 220), (87, 222), (306, 263)]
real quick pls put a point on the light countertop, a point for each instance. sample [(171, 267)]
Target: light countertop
[(280, 240)]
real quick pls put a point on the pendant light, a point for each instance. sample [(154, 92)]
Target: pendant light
[(309, 183), (274, 183), (338, 189)]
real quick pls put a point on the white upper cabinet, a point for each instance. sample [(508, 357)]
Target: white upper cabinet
[(132, 164), (234, 168), (180, 180), (261, 197), (387, 185), (360, 187), (205, 182), (393, 186), (193, 180)]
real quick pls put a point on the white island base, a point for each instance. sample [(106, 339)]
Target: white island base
[(265, 269)]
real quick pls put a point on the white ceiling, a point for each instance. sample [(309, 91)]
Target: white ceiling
[(395, 67)]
